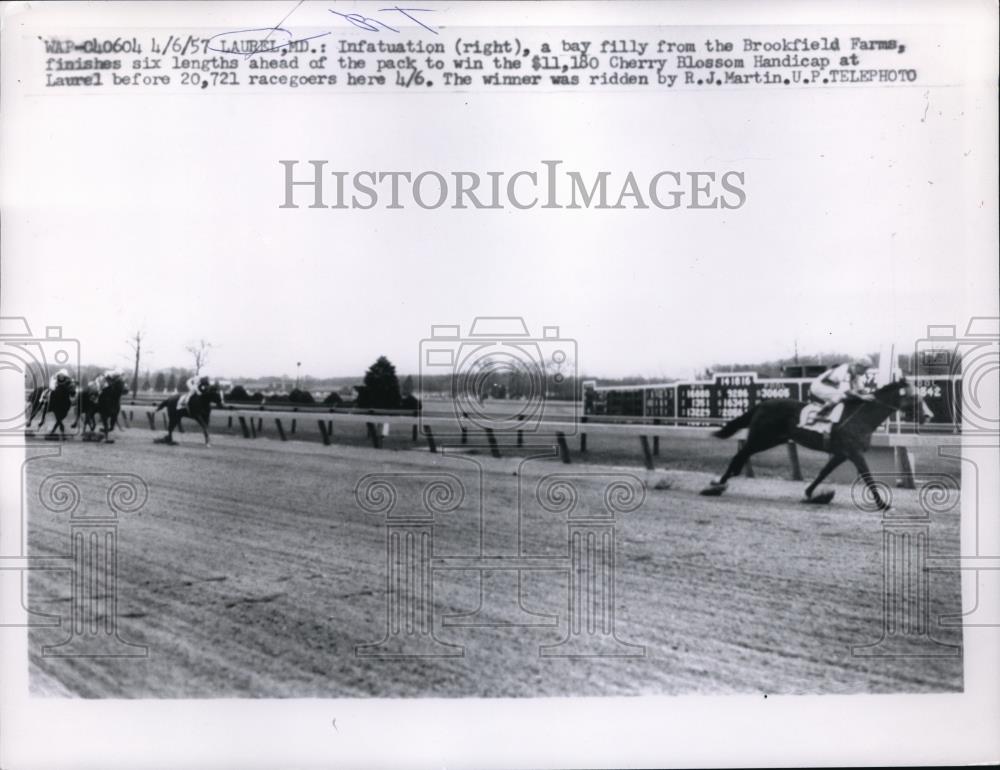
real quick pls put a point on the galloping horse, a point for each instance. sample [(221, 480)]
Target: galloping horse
[(58, 401), (198, 408), (106, 402), (776, 421)]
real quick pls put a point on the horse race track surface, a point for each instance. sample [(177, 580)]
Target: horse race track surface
[(253, 572)]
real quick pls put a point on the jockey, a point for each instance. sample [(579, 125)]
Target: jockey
[(101, 381), (836, 384), (198, 384), (59, 378)]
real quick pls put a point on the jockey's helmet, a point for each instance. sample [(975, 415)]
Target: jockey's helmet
[(862, 365)]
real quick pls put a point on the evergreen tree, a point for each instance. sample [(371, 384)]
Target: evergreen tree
[(381, 388)]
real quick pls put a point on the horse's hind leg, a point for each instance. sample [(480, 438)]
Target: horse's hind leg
[(716, 488), (749, 449), (831, 464)]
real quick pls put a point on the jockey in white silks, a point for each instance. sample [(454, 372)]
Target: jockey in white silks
[(101, 381), (836, 384), (61, 377), (195, 384), (198, 384)]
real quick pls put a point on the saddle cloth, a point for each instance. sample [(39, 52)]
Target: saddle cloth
[(810, 419)]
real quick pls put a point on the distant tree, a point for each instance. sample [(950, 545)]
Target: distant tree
[(333, 399), (410, 402), (135, 342), (407, 387), (160, 382), (298, 396), (172, 382), (199, 353), (258, 397), (238, 393), (381, 388), (146, 384)]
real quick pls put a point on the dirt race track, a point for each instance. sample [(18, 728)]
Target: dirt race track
[(252, 571)]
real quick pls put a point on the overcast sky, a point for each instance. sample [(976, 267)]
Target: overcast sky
[(162, 214)]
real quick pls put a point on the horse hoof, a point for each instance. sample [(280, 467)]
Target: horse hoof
[(714, 489), (821, 499)]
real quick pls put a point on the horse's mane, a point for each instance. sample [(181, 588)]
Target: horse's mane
[(889, 386)]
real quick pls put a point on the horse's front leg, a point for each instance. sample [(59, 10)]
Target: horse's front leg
[(857, 457), (45, 412), (826, 497), (172, 422), (35, 406), (203, 424)]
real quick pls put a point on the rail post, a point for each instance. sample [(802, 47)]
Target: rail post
[(494, 447), (563, 448), (905, 469), (281, 430), (647, 453)]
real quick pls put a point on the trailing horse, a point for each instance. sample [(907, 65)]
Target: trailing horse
[(105, 402), (58, 401), (775, 421), (197, 406)]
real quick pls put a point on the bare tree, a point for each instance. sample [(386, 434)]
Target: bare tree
[(135, 342), (200, 353)]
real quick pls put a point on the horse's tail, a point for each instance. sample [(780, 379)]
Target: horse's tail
[(733, 426)]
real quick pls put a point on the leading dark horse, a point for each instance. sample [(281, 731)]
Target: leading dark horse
[(776, 421), (58, 401), (198, 408), (105, 403)]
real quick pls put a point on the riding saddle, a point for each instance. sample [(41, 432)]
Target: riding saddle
[(811, 419)]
